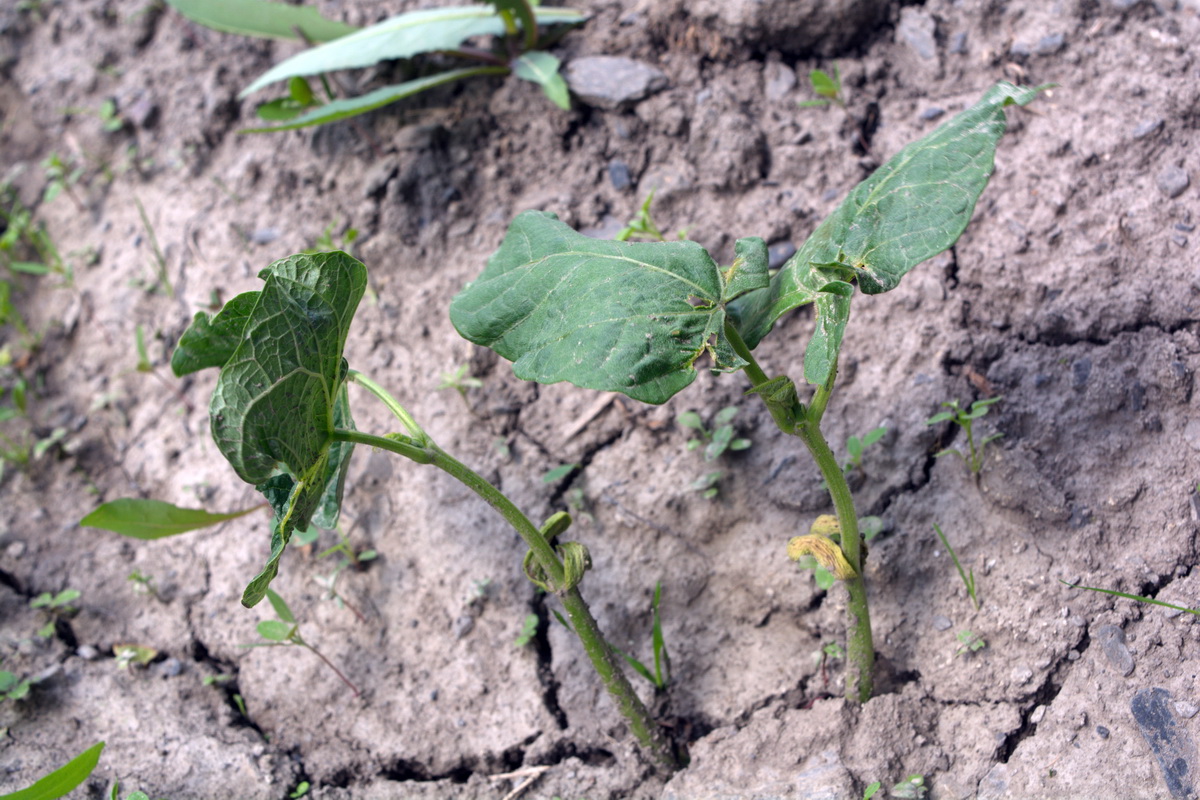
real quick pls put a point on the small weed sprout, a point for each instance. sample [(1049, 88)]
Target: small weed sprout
[(870, 791), (661, 676), (61, 176), (643, 228), (138, 655), (160, 260), (558, 473), (722, 437), (460, 380), (14, 687), (58, 607), (528, 631), (965, 418), (143, 584), (285, 631), (911, 788), (829, 87), (326, 241), (855, 447), (969, 642), (968, 576)]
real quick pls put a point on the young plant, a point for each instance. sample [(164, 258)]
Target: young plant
[(280, 414), (528, 631), (968, 577), (636, 317), (970, 642), (643, 228), (661, 676), (964, 418), (516, 25), (828, 87), (57, 606), (14, 687), (911, 788), (460, 381), (61, 176), (855, 447), (285, 631), (715, 441), (1137, 597)]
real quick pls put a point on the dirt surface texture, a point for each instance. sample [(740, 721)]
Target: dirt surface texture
[(1074, 295)]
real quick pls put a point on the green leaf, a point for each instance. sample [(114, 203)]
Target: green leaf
[(822, 84), (403, 36), (275, 630), (353, 106), (153, 519), (542, 69), (690, 419), (558, 473), (64, 779), (281, 607), (210, 342), (281, 109), (29, 267), (912, 208), (262, 19), (614, 316), (329, 507), (273, 410)]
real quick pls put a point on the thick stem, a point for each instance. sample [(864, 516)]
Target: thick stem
[(860, 647)]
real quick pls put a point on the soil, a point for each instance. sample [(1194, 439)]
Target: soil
[(1050, 300)]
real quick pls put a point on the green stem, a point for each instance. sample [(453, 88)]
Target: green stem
[(406, 419), (816, 409), (785, 408), (603, 659), (860, 647)]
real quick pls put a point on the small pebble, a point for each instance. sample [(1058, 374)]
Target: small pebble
[(933, 112), (1041, 379), (1049, 45), (1038, 715), (618, 173), (264, 235), (1102, 731), (779, 253), (463, 625), (1185, 227), (1112, 640), (1080, 371), (1020, 50), (15, 549), (942, 623), (958, 43), (87, 652), (170, 667), (1148, 128), (1022, 675), (1179, 240), (1185, 709), (1173, 181), (433, 696)]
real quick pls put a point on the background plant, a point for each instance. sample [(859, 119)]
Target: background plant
[(968, 577), (965, 419), (716, 441), (912, 208), (516, 25)]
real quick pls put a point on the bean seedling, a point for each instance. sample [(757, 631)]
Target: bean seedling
[(965, 418), (58, 607), (855, 447), (968, 577), (285, 631), (635, 317), (829, 87), (970, 642)]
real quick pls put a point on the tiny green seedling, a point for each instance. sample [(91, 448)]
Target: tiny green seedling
[(326, 241), (130, 655), (870, 791), (643, 228), (829, 87), (14, 687), (349, 557), (969, 642), (528, 631), (285, 631), (1137, 597), (460, 381), (60, 177), (968, 576), (58, 606), (661, 676), (522, 31), (722, 437), (300, 791), (855, 447), (558, 473), (965, 418), (911, 788), (160, 260), (143, 584)]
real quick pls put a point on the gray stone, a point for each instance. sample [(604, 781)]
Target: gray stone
[(1173, 181), (918, 30), (932, 113), (1148, 128), (942, 623), (778, 80), (1081, 370), (613, 82), (1112, 642), (1020, 50), (1051, 44), (779, 253), (463, 625), (618, 173), (958, 43), (1185, 709)]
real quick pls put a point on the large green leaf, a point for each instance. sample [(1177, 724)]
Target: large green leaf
[(61, 781), (615, 316), (274, 407), (353, 106), (261, 18), (153, 519), (403, 36), (912, 208)]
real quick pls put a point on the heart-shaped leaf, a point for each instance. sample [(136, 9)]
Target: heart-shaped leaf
[(912, 208), (614, 316), (281, 390)]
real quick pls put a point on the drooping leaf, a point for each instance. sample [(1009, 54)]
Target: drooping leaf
[(60, 782), (912, 208), (614, 316), (153, 519), (542, 68), (209, 342), (353, 106), (403, 36), (273, 410), (262, 19), (282, 610)]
